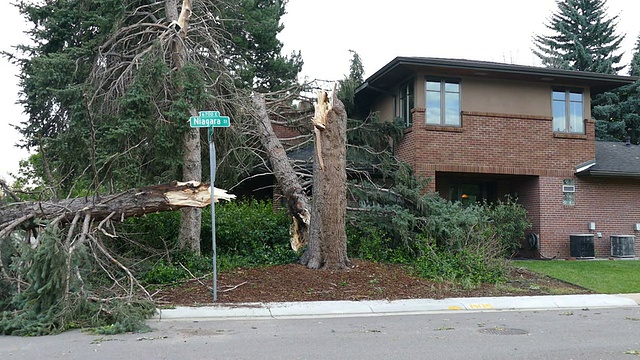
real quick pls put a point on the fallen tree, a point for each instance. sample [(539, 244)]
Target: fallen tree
[(134, 202), (59, 271), (298, 204)]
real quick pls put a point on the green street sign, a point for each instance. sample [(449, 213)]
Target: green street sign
[(209, 119)]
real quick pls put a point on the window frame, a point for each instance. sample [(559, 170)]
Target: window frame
[(567, 107), (569, 192), (406, 101), (442, 92)]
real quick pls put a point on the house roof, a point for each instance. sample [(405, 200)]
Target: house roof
[(401, 68), (613, 159)]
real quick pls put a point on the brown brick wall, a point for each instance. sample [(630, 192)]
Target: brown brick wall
[(497, 144), (490, 143), (610, 203), (288, 133)]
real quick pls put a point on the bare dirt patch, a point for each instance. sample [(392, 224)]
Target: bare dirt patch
[(365, 281)]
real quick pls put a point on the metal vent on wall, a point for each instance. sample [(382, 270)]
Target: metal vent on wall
[(623, 245), (581, 246)]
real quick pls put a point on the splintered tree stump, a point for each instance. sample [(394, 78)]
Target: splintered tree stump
[(320, 226), (327, 247)]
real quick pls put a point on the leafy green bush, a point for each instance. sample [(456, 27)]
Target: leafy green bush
[(248, 233), (441, 239), (373, 244), (250, 229), (510, 223), (181, 266), (464, 266), (152, 231)]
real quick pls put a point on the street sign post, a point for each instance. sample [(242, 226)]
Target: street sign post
[(211, 120)]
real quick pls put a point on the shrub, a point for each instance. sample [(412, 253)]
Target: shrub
[(464, 266), (152, 231), (250, 229), (248, 233), (181, 266), (441, 239), (510, 223)]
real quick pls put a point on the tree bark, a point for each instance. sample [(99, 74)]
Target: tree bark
[(190, 218), (327, 247), (134, 202), (297, 201)]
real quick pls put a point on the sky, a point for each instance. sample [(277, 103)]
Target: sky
[(324, 31)]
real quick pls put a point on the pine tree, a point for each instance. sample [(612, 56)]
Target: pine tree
[(254, 50), (584, 39), (347, 86), (618, 112)]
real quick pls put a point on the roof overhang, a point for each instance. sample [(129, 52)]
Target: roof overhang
[(402, 68), (589, 169), (608, 174)]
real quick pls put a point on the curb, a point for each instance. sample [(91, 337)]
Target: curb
[(397, 307)]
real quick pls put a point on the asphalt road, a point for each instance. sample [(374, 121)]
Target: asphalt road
[(548, 334)]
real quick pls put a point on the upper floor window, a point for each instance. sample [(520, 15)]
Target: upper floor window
[(568, 113), (407, 102), (443, 102)]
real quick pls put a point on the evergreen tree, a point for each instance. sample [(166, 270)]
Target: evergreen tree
[(81, 145), (109, 85), (619, 114), (347, 86), (254, 50), (584, 39), (65, 37)]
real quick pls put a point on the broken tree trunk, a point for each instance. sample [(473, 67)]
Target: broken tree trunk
[(322, 225), (135, 202), (190, 218), (297, 201), (327, 247)]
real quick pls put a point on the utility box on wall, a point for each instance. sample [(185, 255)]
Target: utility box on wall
[(623, 245), (581, 246)]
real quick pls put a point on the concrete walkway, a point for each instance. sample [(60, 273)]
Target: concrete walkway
[(398, 307)]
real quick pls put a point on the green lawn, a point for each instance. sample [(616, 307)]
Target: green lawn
[(602, 276)]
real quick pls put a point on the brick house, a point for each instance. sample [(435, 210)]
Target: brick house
[(484, 131)]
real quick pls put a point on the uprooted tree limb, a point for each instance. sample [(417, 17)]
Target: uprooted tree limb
[(297, 202), (70, 234), (134, 202)]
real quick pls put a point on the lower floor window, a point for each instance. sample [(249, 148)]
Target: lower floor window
[(474, 192), (568, 192)]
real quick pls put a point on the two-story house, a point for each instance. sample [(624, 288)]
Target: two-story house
[(484, 130)]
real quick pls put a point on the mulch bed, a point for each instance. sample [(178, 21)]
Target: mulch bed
[(365, 281)]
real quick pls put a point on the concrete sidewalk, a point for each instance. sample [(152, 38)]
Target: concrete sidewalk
[(397, 307)]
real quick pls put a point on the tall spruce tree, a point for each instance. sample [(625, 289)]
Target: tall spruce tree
[(618, 114), (347, 86), (108, 85), (65, 37), (255, 51), (583, 38)]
